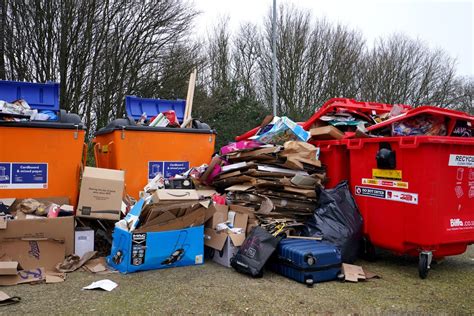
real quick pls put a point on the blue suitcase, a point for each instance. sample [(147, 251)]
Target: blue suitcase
[(307, 261)]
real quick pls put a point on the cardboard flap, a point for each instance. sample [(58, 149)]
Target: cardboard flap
[(8, 267), (213, 239), (353, 273), (240, 220), (210, 211), (105, 174), (219, 216), (237, 239)]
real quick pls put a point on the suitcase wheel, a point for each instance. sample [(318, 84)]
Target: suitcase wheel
[(309, 282), (310, 259)]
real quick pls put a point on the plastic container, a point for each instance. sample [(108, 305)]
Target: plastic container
[(144, 151), (334, 154), (40, 96), (424, 205), (41, 159), (136, 106)]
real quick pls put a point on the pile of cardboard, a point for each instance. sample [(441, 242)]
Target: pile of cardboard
[(31, 246), (279, 182)]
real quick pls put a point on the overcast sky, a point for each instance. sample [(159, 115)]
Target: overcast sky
[(441, 24)]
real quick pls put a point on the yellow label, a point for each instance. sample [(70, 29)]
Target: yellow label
[(387, 174), (105, 149)]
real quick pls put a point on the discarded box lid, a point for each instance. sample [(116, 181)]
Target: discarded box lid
[(136, 106), (40, 96)]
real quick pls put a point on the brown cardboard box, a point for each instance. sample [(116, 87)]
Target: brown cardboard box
[(326, 132), (60, 228), (172, 217), (101, 193), (225, 242), (162, 195)]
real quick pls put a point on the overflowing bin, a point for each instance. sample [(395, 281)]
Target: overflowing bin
[(39, 158), (416, 193), (334, 153), (144, 151)]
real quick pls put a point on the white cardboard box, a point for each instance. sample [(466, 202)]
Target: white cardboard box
[(84, 240)]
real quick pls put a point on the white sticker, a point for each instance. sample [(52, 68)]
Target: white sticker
[(198, 259), (461, 160), (404, 197)]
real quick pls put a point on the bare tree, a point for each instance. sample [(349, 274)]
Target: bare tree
[(98, 50), (402, 70)]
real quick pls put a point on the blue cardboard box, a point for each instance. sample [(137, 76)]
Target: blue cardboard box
[(138, 251)]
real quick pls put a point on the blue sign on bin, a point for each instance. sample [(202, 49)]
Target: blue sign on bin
[(167, 168), (23, 175)]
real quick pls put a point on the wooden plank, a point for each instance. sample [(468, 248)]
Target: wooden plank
[(189, 100)]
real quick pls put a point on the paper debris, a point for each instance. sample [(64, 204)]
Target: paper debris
[(6, 299), (106, 285)]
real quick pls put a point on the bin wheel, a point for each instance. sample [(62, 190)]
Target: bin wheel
[(423, 266)]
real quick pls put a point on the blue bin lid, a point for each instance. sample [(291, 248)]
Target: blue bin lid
[(136, 106), (40, 96)]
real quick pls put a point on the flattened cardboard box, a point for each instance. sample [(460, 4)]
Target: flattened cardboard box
[(60, 228), (34, 253), (101, 193)]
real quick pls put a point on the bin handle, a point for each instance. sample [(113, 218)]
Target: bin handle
[(355, 143), (85, 151), (109, 150), (96, 150), (408, 142)]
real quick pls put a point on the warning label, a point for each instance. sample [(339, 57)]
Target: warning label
[(461, 161), (404, 197), (387, 174), (386, 183)]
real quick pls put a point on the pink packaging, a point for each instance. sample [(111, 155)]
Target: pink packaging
[(243, 144)]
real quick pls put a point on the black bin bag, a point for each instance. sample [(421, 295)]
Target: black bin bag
[(255, 252), (338, 221)]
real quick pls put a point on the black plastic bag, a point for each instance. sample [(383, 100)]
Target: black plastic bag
[(255, 252), (338, 221)]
